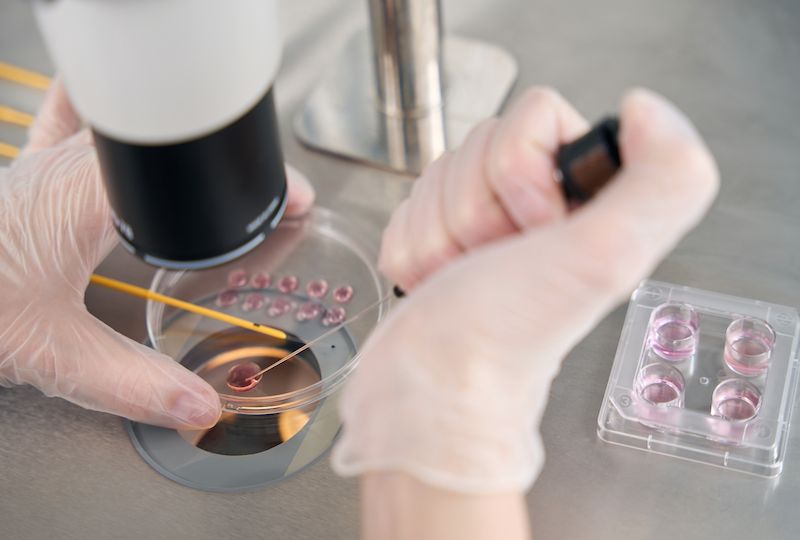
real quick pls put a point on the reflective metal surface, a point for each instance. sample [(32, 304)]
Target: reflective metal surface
[(401, 100), (407, 48), (732, 65)]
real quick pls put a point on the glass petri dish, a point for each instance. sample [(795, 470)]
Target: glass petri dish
[(310, 275)]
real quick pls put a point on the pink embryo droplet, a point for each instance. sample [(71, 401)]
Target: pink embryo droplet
[(288, 284), (308, 311), (335, 315), (317, 288), (261, 280), (343, 293), (227, 298), (280, 307), (239, 377), (237, 279), (253, 301)]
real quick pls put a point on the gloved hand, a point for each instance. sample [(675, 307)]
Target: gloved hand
[(504, 282), (499, 182), (55, 228)]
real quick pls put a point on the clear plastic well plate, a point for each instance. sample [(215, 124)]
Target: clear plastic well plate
[(704, 376)]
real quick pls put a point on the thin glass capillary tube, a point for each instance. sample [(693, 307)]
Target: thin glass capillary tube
[(322, 336)]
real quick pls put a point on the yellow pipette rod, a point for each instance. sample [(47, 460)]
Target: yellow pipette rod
[(24, 77), (13, 116), (8, 151), (141, 292)]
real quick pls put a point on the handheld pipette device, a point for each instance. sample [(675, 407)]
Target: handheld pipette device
[(588, 163)]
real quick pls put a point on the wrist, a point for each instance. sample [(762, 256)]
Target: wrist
[(468, 433)]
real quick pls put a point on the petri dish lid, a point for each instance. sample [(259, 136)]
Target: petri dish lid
[(309, 274)]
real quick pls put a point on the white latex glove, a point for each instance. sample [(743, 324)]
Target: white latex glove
[(55, 228), (503, 283)]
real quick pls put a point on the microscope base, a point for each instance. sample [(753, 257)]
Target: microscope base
[(342, 116)]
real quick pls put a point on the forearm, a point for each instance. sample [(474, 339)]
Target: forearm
[(396, 506)]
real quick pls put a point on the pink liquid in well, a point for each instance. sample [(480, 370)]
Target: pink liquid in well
[(660, 393), (317, 288), (239, 377), (673, 332), (334, 315), (343, 293), (261, 280), (748, 346), (227, 298), (279, 307), (253, 301), (748, 356), (308, 311), (237, 279), (660, 385), (735, 400), (288, 284)]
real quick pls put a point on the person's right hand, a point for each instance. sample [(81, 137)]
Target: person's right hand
[(499, 182), (504, 282)]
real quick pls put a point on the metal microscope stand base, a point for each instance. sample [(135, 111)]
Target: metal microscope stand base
[(342, 115)]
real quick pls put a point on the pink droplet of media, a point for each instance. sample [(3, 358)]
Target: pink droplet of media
[(253, 301), (334, 315), (261, 280), (227, 298), (343, 293), (288, 284), (317, 288), (280, 307), (237, 279), (308, 311), (240, 377)]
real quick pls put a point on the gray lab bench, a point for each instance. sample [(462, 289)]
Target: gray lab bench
[(733, 65)]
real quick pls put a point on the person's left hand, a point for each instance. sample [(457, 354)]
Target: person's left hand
[(55, 228)]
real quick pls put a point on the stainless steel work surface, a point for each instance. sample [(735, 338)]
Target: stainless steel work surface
[(733, 65)]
